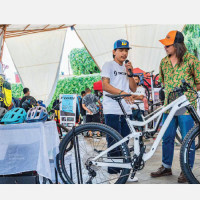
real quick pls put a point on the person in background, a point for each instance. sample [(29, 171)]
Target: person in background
[(16, 102), (83, 111), (89, 104), (27, 101), (5, 93), (138, 97), (179, 64)]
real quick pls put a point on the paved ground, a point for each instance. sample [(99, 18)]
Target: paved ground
[(154, 163)]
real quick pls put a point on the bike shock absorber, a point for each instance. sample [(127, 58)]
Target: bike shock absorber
[(193, 113)]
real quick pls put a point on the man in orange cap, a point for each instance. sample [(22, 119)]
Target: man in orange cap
[(179, 64)]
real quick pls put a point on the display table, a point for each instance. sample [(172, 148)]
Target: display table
[(28, 147)]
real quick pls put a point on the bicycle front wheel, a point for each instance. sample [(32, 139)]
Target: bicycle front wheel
[(188, 156), (73, 163)]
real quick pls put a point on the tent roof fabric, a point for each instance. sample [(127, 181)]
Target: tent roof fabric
[(146, 52), (37, 59), (138, 70), (14, 30)]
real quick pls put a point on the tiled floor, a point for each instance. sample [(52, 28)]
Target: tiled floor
[(154, 163)]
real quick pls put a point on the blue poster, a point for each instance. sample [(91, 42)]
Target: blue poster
[(68, 103)]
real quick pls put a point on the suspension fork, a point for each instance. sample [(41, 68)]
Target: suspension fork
[(193, 114)]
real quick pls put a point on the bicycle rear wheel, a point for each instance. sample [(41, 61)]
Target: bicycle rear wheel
[(187, 153), (156, 83), (73, 164), (62, 130), (147, 92)]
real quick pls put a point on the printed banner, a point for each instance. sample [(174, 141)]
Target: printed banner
[(68, 110)]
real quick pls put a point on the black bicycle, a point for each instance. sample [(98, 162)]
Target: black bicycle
[(154, 83)]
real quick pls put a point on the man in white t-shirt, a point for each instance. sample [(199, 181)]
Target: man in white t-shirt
[(116, 80), (138, 100)]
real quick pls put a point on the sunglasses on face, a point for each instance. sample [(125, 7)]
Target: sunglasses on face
[(168, 46)]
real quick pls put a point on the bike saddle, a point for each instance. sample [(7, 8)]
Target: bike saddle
[(117, 97)]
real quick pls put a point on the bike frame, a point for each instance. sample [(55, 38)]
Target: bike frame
[(144, 118), (179, 103), (151, 85)]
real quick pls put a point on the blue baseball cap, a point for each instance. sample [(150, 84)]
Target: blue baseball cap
[(121, 44)]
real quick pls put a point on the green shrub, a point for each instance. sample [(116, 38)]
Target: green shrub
[(81, 62)]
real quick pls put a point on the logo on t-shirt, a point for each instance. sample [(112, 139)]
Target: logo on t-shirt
[(115, 73)]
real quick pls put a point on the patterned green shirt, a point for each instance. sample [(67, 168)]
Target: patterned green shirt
[(171, 76)]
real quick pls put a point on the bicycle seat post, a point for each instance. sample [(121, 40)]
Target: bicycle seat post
[(121, 106)]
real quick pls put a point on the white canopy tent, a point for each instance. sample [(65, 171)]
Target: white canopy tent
[(36, 49), (146, 52), (37, 61)]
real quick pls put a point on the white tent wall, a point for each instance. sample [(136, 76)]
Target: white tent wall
[(146, 52), (37, 59), (1, 43)]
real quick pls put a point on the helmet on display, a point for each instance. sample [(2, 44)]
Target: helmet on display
[(37, 114), (26, 105), (14, 116), (40, 102), (3, 111)]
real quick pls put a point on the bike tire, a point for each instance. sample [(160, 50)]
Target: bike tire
[(47, 181), (184, 154), (60, 127), (147, 92), (179, 139), (156, 84), (107, 131)]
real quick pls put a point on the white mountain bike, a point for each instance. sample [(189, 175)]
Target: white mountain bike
[(90, 158)]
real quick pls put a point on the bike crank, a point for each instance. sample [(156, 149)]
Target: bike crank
[(137, 162)]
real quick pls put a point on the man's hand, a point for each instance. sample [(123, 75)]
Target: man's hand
[(129, 100), (128, 66), (90, 112)]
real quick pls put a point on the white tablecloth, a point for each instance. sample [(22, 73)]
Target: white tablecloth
[(28, 147)]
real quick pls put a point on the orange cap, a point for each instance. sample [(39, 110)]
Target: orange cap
[(170, 38)]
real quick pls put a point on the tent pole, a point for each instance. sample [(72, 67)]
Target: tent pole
[(2, 46), (86, 47), (183, 28)]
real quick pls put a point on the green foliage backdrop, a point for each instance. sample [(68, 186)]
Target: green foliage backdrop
[(82, 63), (192, 39), (74, 85), (70, 85), (17, 90)]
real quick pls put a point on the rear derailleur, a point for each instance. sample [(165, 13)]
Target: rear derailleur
[(91, 172)]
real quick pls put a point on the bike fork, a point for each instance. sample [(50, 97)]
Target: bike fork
[(77, 157), (193, 114)]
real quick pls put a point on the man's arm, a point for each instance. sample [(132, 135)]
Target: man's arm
[(198, 87), (85, 108), (109, 88), (112, 90), (132, 84)]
